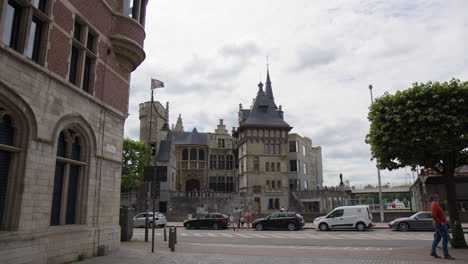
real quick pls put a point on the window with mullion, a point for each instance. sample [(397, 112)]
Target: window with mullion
[(67, 180), (11, 25), (34, 40)]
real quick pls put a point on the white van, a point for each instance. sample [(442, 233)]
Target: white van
[(357, 216)]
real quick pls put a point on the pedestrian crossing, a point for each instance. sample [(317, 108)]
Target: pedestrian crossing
[(313, 235)]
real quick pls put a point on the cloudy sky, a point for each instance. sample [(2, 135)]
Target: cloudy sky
[(323, 55)]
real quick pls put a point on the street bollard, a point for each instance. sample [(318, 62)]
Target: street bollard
[(165, 235), (171, 239), (175, 235)]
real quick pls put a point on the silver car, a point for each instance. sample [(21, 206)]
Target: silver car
[(139, 219), (418, 221)]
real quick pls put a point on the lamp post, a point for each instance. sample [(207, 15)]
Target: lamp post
[(378, 172)]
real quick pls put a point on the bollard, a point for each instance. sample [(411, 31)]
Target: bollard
[(175, 235), (165, 235), (171, 239)]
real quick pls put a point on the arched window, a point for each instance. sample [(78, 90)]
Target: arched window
[(184, 154), (6, 152), (193, 154), (201, 154), (68, 180)]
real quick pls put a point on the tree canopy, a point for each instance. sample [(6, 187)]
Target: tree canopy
[(425, 125), (134, 160)]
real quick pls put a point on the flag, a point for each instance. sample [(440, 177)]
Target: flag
[(156, 84)]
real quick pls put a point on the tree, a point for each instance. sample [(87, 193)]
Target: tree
[(134, 160), (425, 125)]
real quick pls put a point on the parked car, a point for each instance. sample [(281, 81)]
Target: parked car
[(281, 220), (418, 221), (358, 216), (211, 220), (139, 219)]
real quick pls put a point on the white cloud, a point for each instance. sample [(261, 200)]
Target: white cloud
[(322, 54)]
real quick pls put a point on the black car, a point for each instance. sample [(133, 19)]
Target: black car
[(211, 220), (281, 220)]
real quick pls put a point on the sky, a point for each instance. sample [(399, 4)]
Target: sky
[(322, 56)]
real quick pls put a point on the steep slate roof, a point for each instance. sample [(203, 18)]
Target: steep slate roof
[(191, 138), (264, 111)]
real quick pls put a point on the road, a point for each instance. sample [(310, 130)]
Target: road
[(371, 239)]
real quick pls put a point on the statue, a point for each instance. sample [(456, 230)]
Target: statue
[(341, 179)]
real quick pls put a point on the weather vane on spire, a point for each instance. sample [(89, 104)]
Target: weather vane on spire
[(268, 64)]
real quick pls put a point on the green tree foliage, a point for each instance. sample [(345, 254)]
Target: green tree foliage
[(134, 160), (425, 125)]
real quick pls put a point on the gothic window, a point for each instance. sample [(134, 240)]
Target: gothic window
[(6, 140), (266, 148), (201, 154), (278, 185), (68, 182), (277, 148), (193, 154), (277, 203), (278, 167), (270, 203), (256, 163), (273, 185), (185, 154), (273, 167), (221, 143)]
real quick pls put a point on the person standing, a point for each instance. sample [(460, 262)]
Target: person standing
[(236, 214), (440, 228), (248, 218)]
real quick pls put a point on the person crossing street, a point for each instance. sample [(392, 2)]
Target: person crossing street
[(440, 227)]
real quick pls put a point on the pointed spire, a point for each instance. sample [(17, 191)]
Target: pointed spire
[(260, 89), (179, 125), (268, 90)]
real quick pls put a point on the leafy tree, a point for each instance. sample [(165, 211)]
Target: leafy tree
[(368, 186), (425, 125), (134, 160)]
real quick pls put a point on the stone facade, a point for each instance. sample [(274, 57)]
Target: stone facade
[(63, 103), (305, 164), (249, 167)]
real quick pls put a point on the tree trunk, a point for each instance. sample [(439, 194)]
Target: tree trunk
[(458, 238)]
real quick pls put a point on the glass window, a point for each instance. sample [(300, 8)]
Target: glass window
[(11, 24), (292, 146), (304, 165), (278, 167), (277, 148), (266, 148), (304, 150), (184, 154), (193, 154), (336, 213), (90, 42), (293, 165), (213, 159), (201, 154), (34, 40), (221, 162), (73, 65), (267, 166), (87, 75), (40, 4)]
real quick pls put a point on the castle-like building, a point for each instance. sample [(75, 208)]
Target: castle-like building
[(256, 166)]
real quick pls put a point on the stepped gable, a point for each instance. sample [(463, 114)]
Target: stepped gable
[(264, 111), (191, 138)]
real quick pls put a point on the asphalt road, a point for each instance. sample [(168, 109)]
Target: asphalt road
[(378, 239)]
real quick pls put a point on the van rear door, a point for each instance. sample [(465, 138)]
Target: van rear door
[(369, 214)]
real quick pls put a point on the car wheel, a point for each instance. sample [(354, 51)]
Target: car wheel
[(162, 226), (259, 227), (215, 226), (291, 227), (188, 226), (361, 226), (323, 227), (403, 227), (150, 224)]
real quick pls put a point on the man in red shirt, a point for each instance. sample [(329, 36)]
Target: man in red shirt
[(440, 227)]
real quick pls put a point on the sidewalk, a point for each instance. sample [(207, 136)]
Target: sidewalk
[(203, 253)]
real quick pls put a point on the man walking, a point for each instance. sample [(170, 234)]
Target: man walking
[(440, 227)]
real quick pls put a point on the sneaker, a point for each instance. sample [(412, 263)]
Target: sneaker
[(449, 257)]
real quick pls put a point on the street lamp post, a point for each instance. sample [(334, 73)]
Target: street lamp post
[(378, 172), (147, 188)]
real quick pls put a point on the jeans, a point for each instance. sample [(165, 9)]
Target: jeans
[(441, 232)]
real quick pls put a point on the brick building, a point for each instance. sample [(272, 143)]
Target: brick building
[(64, 87)]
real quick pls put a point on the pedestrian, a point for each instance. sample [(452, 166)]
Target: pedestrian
[(242, 221), (440, 228), (231, 222), (248, 218), (236, 214)]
